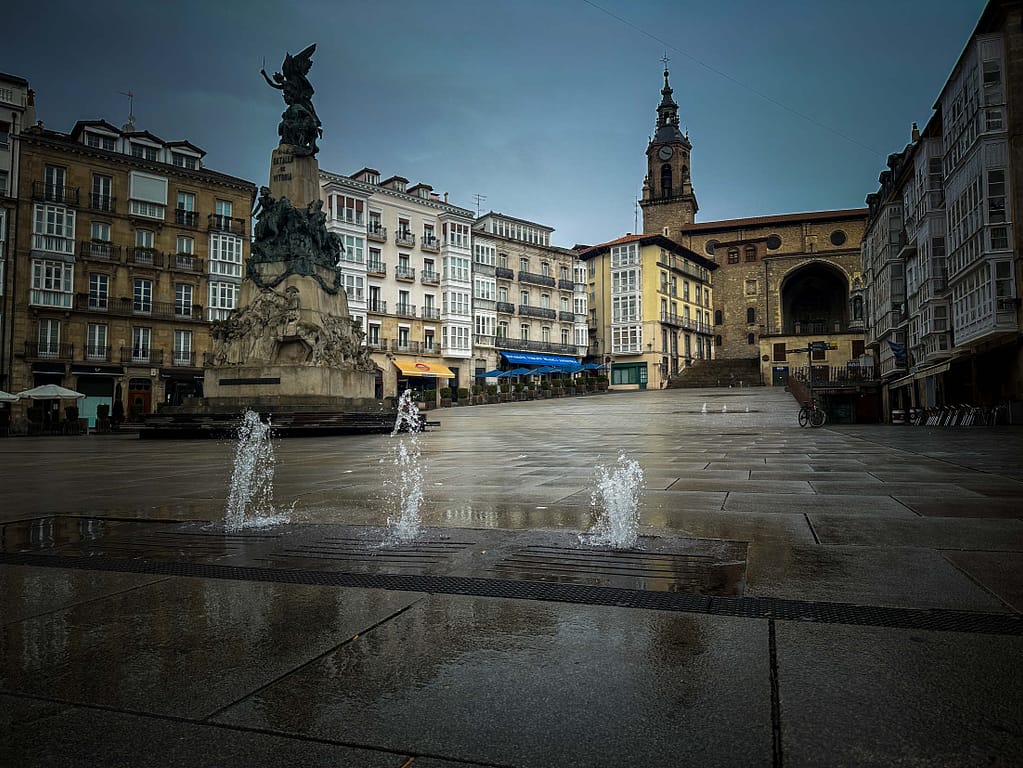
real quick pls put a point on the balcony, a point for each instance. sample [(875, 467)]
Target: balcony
[(99, 251), (182, 359), (479, 268), (566, 317), (402, 272), (377, 268), (527, 310), (405, 346), (94, 354), (405, 310), (478, 303), (504, 306), (376, 344), (53, 244), (505, 273), (221, 223), (429, 277), (670, 318), (526, 345), (376, 306), (159, 310), (101, 202), (430, 313), (185, 262), (534, 279), (697, 325), (430, 243), (145, 257), (404, 237), (141, 355), (566, 285), (376, 232), (51, 193), (817, 328), (35, 350), (185, 218), (481, 340)]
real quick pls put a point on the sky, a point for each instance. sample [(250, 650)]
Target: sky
[(544, 107)]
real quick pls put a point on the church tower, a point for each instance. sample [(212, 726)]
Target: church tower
[(668, 198)]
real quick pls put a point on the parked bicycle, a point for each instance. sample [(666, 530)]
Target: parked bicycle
[(812, 414)]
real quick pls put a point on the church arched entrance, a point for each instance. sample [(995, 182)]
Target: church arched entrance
[(815, 300)]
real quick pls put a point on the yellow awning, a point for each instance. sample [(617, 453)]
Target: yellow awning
[(411, 368)]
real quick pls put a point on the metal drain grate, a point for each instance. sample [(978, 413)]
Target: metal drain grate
[(747, 607)]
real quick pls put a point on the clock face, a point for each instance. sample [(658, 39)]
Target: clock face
[(665, 153)]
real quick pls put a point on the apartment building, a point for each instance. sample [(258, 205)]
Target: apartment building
[(407, 271), (128, 246), (650, 308), (17, 103), (529, 296), (941, 256)]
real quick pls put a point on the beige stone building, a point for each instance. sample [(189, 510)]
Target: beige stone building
[(128, 246)]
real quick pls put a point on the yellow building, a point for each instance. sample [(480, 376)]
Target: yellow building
[(128, 247), (650, 304)]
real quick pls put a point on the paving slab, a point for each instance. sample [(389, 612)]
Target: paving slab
[(536, 685), (880, 576), (998, 572), (931, 532), (960, 506), (183, 646), (866, 696), (788, 503), (46, 733)]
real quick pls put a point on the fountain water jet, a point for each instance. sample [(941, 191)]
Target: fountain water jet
[(704, 409), (616, 496), (250, 499), (408, 472)]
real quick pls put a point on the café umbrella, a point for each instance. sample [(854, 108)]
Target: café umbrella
[(7, 397), (50, 392)]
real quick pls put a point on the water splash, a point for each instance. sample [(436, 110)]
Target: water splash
[(704, 409), (250, 499), (408, 472), (616, 499), (724, 408)]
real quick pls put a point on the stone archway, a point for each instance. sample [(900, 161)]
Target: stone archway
[(815, 299)]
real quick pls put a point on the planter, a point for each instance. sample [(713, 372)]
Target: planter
[(445, 402)]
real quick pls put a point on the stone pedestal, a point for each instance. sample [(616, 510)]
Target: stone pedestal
[(295, 177)]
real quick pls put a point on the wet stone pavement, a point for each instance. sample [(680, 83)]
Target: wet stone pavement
[(841, 596)]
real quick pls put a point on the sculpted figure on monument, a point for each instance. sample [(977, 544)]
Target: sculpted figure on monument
[(300, 126)]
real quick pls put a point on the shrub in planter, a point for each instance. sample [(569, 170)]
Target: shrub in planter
[(430, 398), (463, 393), (491, 389), (102, 411), (445, 393)]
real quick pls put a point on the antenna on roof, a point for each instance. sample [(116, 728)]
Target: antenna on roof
[(130, 125), (479, 201)]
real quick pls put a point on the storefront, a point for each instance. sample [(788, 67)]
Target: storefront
[(99, 385), (420, 377)]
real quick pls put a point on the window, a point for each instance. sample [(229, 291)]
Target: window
[(502, 294), (144, 152), (5, 134), (456, 234), (718, 318), (733, 255), (751, 287), (99, 290), (99, 231), (52, 284), (96, 342), (53, 229), (183, 348), (186, 201), (751, 338), (143, 296), (545, 334), (993, 120), (626, 338), (223, 297), (99, 198), (354, 287), (184, 161), (524, 332), (185, 245), (999, 238), (751, 314), (524, 298), (49, 337), (524, 264), (566, 336), (457, 268), (749, 253), (4, 181), (624, 255), (141, 344), (55, 189), (838, 237), (545, 300), (992, 73), (183, 300), (225, 255), (373, 335), (97, 141), (484, 253), (456, 302), (147, 195), (354, 249), (996, 196), (485, 288)]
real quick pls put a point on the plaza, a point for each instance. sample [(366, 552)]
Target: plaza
[(848, 595)]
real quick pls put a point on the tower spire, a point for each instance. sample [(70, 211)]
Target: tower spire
[(667, 113)]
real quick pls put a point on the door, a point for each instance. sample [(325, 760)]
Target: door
[(780, 376), (140, 398), (98, 390)]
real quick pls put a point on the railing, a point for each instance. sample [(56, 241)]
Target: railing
[(101, 202), (408, 346), (430, 243), (566, 317), (529, 311), (51, 193), (405, 310), (53, 244), (430, 313), (535, 346), (566, 285), (402, 272), (404, 237), (504, 306), (186, 218), (185, 262), (376, 268), (100, 251), (817, 328), (530, 277), (161, 310), (223, 223), (480, 268), (482, 340), (95, 354), (376, 343), (377, 306), (670, 318), (429, 277), (504, 272), (182, 359), (145, 257), (48, 351), (823, 375), (377, 233), (680, 265), (478, 303), (697, 325), (142, 355)]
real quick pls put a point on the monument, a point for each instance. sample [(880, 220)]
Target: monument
[(290, 347)]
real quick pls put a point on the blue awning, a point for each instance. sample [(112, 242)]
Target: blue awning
[(536, 358)]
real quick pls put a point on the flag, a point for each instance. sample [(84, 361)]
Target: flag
[(899, 351)]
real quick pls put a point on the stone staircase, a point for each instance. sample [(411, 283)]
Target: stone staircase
[(718, 373)]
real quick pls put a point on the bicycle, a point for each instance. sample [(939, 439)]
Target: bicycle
[(812, 414)]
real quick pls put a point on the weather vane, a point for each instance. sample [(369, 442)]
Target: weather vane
[(665, 59)]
